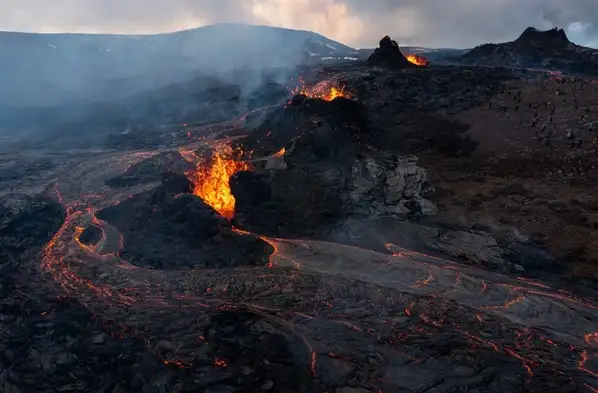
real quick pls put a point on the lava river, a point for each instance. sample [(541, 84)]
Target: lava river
[(332, 297)]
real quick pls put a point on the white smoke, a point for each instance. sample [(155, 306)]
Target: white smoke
[(581, 33)]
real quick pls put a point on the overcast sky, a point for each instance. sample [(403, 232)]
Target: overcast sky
[(358, 23)]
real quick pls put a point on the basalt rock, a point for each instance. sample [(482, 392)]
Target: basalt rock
[(250, 188), (150, 170), (390, 184), (340, 113), (332, 169), (389, 55), (173, 185), (317, 191), (27, 221), (168, 228)]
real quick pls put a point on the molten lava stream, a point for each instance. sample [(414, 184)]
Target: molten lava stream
[(121, 288), (211, 182)]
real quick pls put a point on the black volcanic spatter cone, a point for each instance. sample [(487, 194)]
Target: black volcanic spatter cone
[(389, 55), (170, 228), (172, 185), (553, 38), (176, 183)]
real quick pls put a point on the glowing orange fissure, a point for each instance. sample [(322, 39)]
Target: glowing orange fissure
[(322, 90), (417, 60), (211, 182)]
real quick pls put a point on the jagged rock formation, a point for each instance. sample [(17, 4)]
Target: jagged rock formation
[(388, 54), (331, 170), (391, 185), (354, 186), (550, 49)]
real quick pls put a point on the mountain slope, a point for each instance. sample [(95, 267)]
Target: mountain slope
[(44, 69), (550, 49)]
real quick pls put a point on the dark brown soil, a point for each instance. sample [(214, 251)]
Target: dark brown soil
[(514, 179)]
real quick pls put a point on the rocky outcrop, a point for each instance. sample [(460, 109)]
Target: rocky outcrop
[(389, 55), (390, 185), (308, 198)]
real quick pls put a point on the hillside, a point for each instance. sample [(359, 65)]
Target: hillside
[(43, 69), (550, 49)]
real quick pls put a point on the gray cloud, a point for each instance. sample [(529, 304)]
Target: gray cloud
[(458, 23), (470, 22)]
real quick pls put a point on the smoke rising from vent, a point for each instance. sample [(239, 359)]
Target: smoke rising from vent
[(72, 71)]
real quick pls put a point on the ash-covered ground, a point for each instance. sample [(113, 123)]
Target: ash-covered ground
[(309, 245)]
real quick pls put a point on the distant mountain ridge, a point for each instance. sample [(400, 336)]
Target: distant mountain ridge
[(546, 49), (40, 69)]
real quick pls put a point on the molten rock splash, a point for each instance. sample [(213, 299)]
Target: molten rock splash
[(211, 182), (323, 90), (418, 60)]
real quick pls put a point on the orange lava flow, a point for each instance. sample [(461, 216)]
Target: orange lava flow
[(64, 262), (591, 338), (322, 90), (211, 183), (417, 60), (280, 153)]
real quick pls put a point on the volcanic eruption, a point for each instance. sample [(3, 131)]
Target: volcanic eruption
[(417, 60), (286, 249), (324, 90), (211, 181), (389, 55)]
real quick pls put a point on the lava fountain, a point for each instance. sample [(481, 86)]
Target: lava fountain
[(417, 60), (325, 90), (211, 182)]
